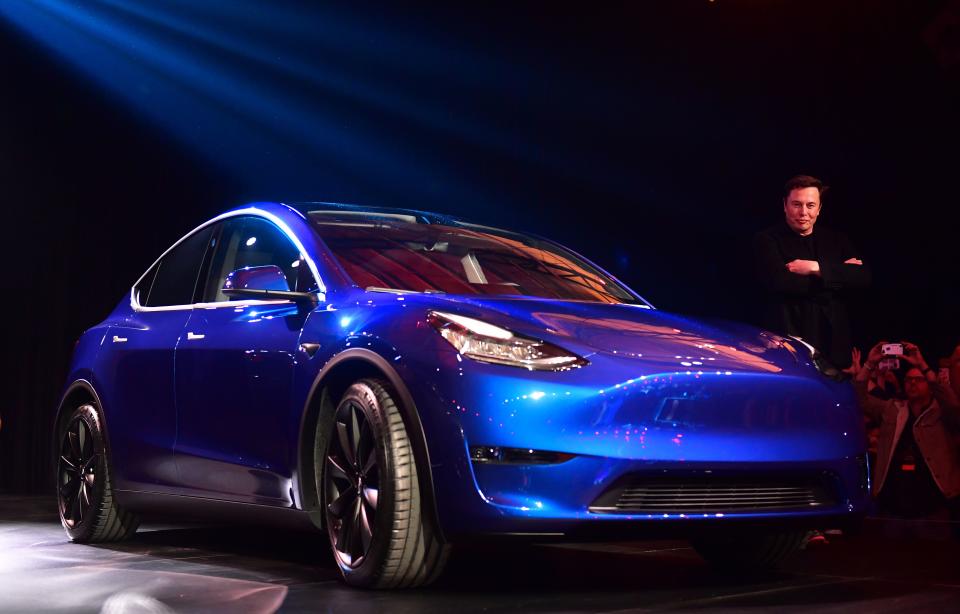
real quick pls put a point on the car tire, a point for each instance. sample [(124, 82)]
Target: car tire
[(88, 509), (379, 531), (748, 551)]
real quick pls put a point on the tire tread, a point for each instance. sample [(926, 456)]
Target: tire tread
[(414, 555), (110, 521)]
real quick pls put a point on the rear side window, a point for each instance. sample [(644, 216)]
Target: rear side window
[(142, 290), (173, 280)]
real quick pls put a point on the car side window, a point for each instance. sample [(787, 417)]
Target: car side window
[(249, 242), (173, 280)]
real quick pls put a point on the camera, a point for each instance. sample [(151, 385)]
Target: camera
[(944, 373), (892, 349)]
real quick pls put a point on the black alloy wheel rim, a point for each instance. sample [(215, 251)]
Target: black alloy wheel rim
[(77, 470), (352, 485)]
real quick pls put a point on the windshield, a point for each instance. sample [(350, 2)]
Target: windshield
[(397, 254)]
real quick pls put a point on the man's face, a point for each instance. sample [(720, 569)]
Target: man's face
[(915, 385), (801, 207)]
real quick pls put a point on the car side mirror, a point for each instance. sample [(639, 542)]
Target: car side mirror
[(263, 282)]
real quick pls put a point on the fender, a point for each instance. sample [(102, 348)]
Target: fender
[(408, 410), (80, 375)]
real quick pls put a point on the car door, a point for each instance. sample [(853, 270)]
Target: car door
[(234, 371), (139, 365)]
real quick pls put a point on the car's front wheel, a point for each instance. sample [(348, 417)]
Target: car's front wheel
[(742, 551), (379, 531), (88, 510)]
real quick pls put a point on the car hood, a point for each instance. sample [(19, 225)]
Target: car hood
[(632, 332)]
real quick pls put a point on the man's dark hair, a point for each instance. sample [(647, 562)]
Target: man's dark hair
[(803, 181)]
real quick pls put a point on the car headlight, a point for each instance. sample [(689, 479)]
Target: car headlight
[(488, 343), (824, 366)]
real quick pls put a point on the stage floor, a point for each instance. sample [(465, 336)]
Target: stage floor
[(202, 568)]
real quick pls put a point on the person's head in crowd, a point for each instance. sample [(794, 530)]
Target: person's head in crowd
[(916, 388), (801, 203), (882, 368)]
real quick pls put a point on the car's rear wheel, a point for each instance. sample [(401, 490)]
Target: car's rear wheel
[(748, 551), (88, 510), (379, 531)]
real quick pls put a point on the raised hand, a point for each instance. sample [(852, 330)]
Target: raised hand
[(875, 354), (911, 353), (855, 366)]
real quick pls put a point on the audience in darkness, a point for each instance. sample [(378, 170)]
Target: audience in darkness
[(917, 468)]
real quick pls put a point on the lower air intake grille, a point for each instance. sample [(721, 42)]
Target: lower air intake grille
[(708, 495)]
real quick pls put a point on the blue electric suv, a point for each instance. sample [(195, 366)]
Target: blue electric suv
[(406, 381)]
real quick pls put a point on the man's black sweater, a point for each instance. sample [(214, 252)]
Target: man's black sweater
[(809, 306)]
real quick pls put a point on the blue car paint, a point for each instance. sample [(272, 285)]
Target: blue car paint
[(208, 400)]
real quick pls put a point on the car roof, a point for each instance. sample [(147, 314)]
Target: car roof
[(375, 213)]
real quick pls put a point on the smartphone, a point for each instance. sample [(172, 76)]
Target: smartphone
[(891, 364), (892, 349), (944, 373)]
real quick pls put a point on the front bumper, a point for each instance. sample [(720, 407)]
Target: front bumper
[(623, 425)]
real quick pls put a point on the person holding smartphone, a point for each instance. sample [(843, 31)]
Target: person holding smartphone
[(917, 473)]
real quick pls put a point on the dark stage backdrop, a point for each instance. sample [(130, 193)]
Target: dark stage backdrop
[(652, 137)]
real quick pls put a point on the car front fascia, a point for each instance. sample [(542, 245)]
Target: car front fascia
[(463, 403)]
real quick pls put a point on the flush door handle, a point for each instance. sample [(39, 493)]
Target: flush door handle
[(194, 336)]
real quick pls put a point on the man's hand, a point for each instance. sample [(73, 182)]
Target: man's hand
[(875, 355), (911, 354), (804, 267), (855, 261)]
